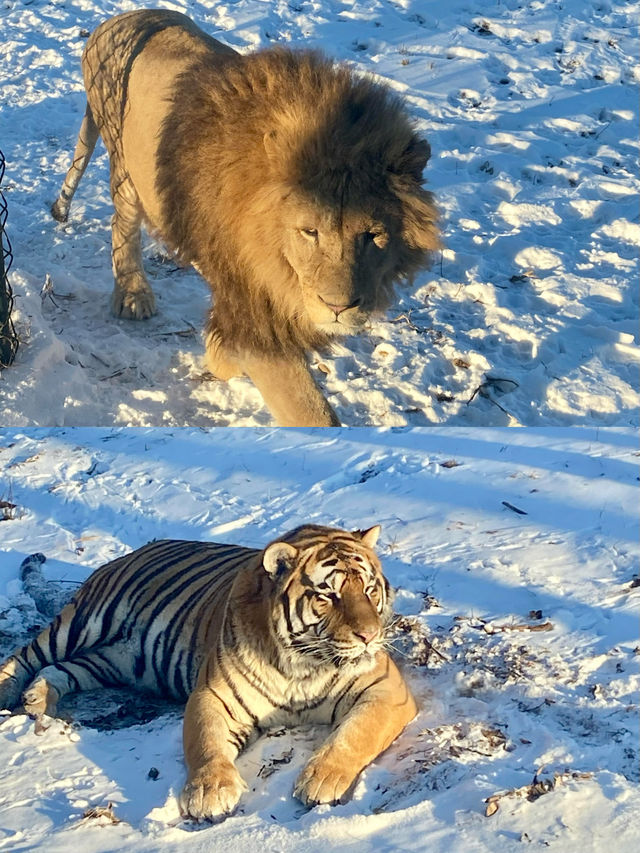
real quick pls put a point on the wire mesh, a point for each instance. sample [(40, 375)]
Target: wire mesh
[(8, 336)]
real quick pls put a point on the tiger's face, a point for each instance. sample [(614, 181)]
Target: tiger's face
[(331, 601)]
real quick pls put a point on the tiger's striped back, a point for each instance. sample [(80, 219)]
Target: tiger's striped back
[(145, 618), (150, 618)]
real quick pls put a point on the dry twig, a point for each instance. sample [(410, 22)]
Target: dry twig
[(514, 508), (274, 763), (537, 788), (101, 812)]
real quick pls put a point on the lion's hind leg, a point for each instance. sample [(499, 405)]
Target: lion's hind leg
[(132, 295), (87, 138)]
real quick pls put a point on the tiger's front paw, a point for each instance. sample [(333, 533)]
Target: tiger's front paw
[(324, 781), (212, 792)]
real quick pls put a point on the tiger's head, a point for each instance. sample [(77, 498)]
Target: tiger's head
[(331, 603)]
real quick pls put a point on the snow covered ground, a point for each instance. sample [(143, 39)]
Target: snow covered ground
[(514, 555), (529, 316)]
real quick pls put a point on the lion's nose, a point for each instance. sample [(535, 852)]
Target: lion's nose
[(366, 634), (338, 309)]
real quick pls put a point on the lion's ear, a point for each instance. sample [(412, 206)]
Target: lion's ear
[(413, 159), (278, 557), (369, 537), (270, 142), (419, 215), (419, 219)]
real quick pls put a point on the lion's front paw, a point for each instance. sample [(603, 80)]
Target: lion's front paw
[(324, 781), (135, 301), (212, 792)]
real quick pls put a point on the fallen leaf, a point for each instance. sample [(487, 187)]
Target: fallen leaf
[(492, 808)]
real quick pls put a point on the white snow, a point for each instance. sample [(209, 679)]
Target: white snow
[(499, 702), (531, 111)]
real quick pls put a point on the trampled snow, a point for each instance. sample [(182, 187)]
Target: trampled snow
[(514, 557), (529, 315)]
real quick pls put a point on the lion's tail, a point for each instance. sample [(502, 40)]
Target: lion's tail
[(87, 139)]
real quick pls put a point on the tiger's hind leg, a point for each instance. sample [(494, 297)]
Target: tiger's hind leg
[(15, 674), (87, 138), (85, 672)]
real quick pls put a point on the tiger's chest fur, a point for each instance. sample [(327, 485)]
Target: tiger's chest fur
[(284, 694)]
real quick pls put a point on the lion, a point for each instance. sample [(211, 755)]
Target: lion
[(291, 184)]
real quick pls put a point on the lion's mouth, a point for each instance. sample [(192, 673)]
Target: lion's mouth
[(347, 321), (337, 314), (338, 308)]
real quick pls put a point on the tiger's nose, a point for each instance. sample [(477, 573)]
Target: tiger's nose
[(338, 309), (367, 635)]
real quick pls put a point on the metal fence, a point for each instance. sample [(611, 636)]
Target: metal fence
[(8, 336)]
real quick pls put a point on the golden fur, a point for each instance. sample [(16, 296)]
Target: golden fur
[(290, 183), (291, 634)]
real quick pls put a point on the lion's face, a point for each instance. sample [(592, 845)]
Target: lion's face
[(343, 260)]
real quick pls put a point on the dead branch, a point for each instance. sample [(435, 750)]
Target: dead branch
[(537, 788), (514, 508), (101, 812)]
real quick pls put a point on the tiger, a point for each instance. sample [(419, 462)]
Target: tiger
[(250, 639)]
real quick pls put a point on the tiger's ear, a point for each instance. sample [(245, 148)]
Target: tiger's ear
[(278, 557), (370, 536)]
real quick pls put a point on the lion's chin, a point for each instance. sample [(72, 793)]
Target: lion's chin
[(348, 326)]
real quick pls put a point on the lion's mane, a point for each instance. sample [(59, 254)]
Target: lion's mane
[(243, 132)]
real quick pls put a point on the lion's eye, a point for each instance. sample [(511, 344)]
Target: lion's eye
[(309, 233)]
